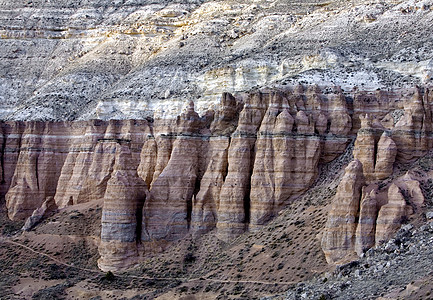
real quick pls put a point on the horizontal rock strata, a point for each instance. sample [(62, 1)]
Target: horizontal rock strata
[(231, 169), (123, 201)]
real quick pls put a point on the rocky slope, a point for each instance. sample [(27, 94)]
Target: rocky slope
[(399, 269), (127, 59)]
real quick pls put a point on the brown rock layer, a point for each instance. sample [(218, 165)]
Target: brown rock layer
[(339, 234), (233, 168), (167, 212), (41, 157), (123, 202), (391, 215)]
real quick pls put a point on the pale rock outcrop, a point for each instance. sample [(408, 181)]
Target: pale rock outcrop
[(338, 240), (391, 215), (123, 201)]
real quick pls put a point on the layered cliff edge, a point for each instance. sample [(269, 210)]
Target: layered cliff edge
[(230, 170), (77, 60)]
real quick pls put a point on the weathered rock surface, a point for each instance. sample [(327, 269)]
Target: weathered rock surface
[(234, 168), (48, 206), (41, 156), (385, 157), (376, 215), (366, 229), (391, 215), (409, 133), (233, 212), (121, 223), (87, 59), (167, 212), (339, 235), (76, 167), (285, 163), (206, 203), (365, 147)]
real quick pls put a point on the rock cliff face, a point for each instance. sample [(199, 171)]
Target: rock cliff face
[(400, 134), (339, 236), (121, 215), (167, 212), (127, 59), (43, 149), (230, 170), (359, 220)]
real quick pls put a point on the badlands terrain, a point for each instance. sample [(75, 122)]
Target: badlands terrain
[(216, 149)]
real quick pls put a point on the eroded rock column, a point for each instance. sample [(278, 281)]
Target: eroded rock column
[(167, 212), (234, 209), (121, 214), (338, 239)]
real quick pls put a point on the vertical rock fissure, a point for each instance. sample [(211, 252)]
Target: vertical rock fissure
[(226, 158), (2, 159), (139, 219), (189, 211), (37, 172), (247, 198), (375, 153)]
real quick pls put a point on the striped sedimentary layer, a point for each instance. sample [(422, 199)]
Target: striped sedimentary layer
[(366, 210), (123, 201), (231, 169)]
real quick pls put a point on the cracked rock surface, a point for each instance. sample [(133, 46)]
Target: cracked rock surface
[(133, 58)]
